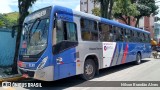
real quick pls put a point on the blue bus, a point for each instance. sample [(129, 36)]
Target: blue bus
[(58, 42)]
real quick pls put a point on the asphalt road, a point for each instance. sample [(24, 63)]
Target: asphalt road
[(148, 70)]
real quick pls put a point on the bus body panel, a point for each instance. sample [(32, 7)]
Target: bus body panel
[(86, 49), (108, 53), (68, 66)]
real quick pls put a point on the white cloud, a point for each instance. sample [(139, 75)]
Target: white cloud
[(5, 6), (66, 3), (77, 8)]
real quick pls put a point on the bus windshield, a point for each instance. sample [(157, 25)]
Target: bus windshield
[(34, 37)]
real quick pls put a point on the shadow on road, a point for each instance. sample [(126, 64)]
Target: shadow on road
[(76, 80)]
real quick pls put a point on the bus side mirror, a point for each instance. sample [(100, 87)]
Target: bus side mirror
[(59, 25), (13, 32)]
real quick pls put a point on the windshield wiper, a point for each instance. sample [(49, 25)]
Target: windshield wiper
[(32, 28), (36, 26)]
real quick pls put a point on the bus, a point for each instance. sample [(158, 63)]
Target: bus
[(58, 42)]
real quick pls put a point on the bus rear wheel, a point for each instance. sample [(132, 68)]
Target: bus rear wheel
[(89, 69)]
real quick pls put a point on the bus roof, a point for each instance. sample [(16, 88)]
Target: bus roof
[(111, 22), (91, 16)]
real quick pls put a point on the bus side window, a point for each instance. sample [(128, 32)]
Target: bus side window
[(59, 34), (89, 31), (138, 37), (149, 38), (118, 34), (110, 33), (114, 33), (122, 34), (71, 33), (131, 36), (143, 37), (104, 32), (126, 35)]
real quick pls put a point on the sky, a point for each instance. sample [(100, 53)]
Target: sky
[(7, 6), (158, 4)]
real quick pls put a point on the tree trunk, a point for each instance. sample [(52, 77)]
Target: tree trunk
[(14, 66), (23, 12), (129, 20), (122, 18), (104, 8), (110, 9), (137, 22)]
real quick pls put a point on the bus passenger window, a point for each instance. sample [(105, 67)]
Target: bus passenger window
[(126, 35), (118, 34), (71, 31), (137, 36), (104, 32), (131, 36), (110, 33), (59, 35), (89, 30), (149, 38), (68, 32), (121, 34), (143, 37), (114, 33)]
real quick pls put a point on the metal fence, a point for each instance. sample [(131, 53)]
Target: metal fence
[(7, 47)]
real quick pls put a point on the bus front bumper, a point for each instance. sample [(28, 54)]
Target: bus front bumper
[(45, 74)]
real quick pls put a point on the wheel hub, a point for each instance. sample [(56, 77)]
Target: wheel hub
[(89, 69)]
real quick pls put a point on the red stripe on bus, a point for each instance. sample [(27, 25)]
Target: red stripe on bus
[(125, 54)]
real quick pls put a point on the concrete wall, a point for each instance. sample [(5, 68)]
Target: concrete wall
[(7, 46)]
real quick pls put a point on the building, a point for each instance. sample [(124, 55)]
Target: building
[(145, 23), (157, 32), (87, 6)]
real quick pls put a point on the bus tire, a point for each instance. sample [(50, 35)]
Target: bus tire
[(89, 70), (138, 59)]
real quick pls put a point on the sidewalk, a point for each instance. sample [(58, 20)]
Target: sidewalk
[(9, 77)]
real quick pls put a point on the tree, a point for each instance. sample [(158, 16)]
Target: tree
[(23, 12), (124, 9), (105, 7), (96, 11), (1, 23), (146, 8)]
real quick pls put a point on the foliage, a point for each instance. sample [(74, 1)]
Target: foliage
[(105, 7), (23, 12), (146, 8), (96, 11), (8, 20), (124, 9)]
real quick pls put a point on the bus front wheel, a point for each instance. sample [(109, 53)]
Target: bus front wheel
[(89, 69)]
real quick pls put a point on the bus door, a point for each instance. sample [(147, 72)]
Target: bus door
[(64, 48)]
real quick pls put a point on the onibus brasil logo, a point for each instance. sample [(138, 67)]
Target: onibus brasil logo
[(15, 84)]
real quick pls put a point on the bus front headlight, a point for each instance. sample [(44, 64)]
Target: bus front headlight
[(41, 65)]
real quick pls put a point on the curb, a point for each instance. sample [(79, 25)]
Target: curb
[(13, 78)]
